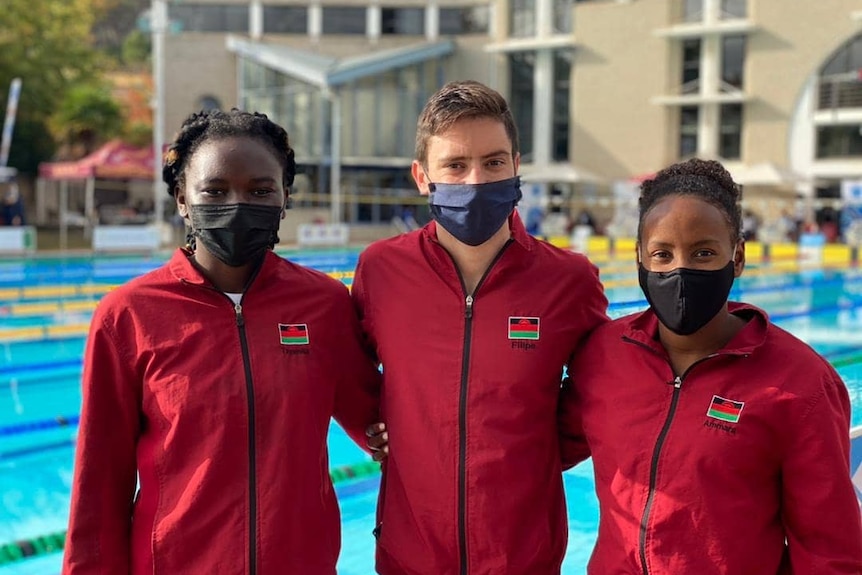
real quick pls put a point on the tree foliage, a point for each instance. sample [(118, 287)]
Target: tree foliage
[(87, 116), (136, 49), (48, 44)]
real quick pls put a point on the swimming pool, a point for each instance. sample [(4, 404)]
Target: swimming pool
[(45, 305)]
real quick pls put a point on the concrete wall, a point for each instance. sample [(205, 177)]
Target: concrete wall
[(620, 65)]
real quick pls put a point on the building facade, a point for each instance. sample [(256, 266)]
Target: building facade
[(602, 90)]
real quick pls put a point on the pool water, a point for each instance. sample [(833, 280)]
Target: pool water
[(40, 395)]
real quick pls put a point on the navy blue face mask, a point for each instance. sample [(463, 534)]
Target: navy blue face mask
[(473, 213)]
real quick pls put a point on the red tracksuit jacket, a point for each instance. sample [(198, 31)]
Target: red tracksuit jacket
[(740, 466), (223, 413), (473, 484)]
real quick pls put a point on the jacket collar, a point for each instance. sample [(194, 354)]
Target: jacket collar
[(643, 328), (182, 268)]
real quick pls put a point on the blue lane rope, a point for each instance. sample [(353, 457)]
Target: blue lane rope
[(30, 426), (24, 451)]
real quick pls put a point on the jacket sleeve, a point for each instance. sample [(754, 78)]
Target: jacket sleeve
[(357, 396), (573, 444), (820, 509), (593, 303), (359, 294), (98, 538)]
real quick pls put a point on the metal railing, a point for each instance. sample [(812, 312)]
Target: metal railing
[(839, 91)]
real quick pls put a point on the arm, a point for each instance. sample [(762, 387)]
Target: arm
[(820, 509), (593, 303), (573, 444), (98, 539), (357, 397), (573, 441)]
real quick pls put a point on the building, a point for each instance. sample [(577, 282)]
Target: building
[(602, 90)]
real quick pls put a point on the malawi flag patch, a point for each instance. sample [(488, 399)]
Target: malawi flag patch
[(725, 409), (293, 333), (523, 328)]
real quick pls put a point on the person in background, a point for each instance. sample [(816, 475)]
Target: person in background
[(12, 213), (720, 442), (473, 321), (211, 381), (750, 225)]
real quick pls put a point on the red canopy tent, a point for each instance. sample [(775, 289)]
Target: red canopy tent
[(115, 160)]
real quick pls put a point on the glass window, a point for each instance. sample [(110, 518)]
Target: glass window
[(733, 9), (474, 20), (839, 78), (522, 18), (343, 20), (402, 21), (730, 136), (733, 60), (562, 93), (847, 59), (692, 10), (521, 69), (563, 16), (839, 141), (688, 123), (285, 20), (209, 17), (690, 65)]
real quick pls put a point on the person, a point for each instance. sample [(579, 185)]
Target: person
[(720, 442), (750, 225), (213, 378), (12, 210), (473, 321)]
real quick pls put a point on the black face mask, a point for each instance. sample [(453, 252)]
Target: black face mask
[(236, 234), (685, 300)]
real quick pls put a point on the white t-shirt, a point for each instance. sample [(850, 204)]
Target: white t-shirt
[(235, 297)]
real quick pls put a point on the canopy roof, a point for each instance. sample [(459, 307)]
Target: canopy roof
[(115, 160)]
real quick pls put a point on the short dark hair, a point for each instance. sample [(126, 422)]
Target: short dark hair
[(706, 179), (459, 100), (216, 124)]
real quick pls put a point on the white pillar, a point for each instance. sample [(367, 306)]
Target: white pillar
[(711, 11), (544, 18), (159, 24), (543, 106), (41, 211), (335, 158), (432, 20), (315, 21), (90, 206), (710, 86), (372, 22), (64, 211), (255, 19)]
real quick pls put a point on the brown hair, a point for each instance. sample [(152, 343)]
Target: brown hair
[(457, 101)]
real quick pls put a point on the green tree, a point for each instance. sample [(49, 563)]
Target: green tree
[(48, 45), (87, 116), (136, 49), (112, 31)]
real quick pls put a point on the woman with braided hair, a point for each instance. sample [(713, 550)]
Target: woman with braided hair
[(720, 442), (210, 383)]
